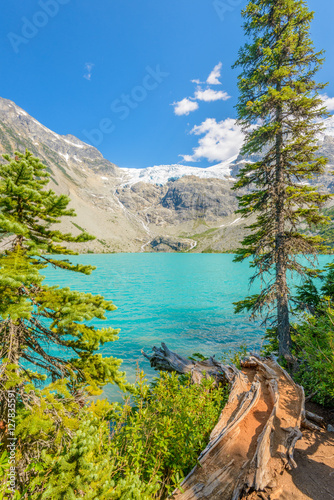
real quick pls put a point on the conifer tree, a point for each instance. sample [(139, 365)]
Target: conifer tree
[(45, 331), (281, 112)]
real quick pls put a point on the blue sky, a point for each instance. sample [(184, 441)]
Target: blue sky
[(109, 71)]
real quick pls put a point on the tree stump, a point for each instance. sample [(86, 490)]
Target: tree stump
[(256, 433)]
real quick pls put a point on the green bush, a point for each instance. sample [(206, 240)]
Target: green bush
[(313, 350), (313, 337), (139, 450), (161, 437), (86, 469), (270, 340), (313, 345)]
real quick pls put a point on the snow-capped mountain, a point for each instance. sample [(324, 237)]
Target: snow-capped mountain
[(161, 174), (159, 208), (329, 127)]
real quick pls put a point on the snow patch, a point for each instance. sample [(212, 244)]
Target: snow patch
[(329, 127), (71, 143), (65, 156), (231, 223)]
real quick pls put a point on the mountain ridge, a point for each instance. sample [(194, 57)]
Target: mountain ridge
[(159, 208)]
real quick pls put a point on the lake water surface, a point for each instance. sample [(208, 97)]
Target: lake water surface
[(184, 300)]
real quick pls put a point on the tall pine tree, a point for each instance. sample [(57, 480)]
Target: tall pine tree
[(45, 331), (281, 112)]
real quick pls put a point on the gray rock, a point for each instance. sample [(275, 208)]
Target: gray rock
[(192, 198), (169, 244)]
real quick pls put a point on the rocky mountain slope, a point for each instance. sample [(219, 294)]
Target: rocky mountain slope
[(160, 208)]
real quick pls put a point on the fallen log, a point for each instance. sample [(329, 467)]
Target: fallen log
[(256, 433), (166, 360)]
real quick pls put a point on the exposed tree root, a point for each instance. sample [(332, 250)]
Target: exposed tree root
[(255, 436)]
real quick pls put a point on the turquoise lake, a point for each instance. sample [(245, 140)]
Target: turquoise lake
[(184, 300)]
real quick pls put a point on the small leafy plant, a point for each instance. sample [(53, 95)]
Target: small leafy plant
[(139, 450), (161, 436)]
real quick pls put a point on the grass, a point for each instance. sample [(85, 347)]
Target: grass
[(200, 235)]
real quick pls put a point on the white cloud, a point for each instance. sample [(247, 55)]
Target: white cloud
[(213, 78), (328, 102), (220, 140), (189, 104), (209, 95), (184, 107), (89, 68)]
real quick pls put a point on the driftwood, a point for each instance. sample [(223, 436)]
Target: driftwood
[(255, 436)]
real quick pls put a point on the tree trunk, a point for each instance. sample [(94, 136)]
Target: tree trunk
[(257, 430), (13, 356), (14, 343), (283, 324)]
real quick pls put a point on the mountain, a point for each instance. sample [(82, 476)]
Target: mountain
[(160, 208), (78, 170), (65, 151)]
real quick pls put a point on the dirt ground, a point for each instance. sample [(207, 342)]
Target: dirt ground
[(314, 477)]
